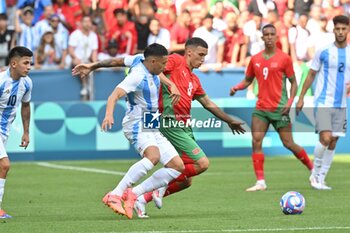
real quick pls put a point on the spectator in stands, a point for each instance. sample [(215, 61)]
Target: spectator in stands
[(166, 13), (83, 45), (314, 23), (44, 23), (63, 9), (322, 38), (300, 7), (11, 13), (299, 41), (180, 33), (228, 5), (218, 12), (142, 8), (158, 34), (107, 8), (37, 5), (282, 6), (142, 30), (287, 22), (124, 33), (61, 36), (27, 35), (262, 7), (196, 8), (7, 40), (111, 51), (215, 40), (45, 54), (253, 35), (235, 48)]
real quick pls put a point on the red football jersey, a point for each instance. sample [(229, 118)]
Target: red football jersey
[(271, 74), (188, 84)]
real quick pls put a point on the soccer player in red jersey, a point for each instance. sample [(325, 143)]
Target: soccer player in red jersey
[(271, 68), (178, 71)]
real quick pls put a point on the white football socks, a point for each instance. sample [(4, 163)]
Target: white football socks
[(326, 164), (159, 178), (2, 190), (134, 174), (318, 155)]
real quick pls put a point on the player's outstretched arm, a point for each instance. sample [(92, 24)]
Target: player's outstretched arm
[(83, 70), (209, 105), (307, 84), (241, 86), (25, 113), (174, 92), (112, 100)]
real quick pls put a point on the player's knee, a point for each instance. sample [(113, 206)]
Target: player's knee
[(154, 159), (257, 142), (203, 164), (4, 166), (326, 140)]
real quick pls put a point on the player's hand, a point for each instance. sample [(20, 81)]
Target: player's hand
[(107, 123), (25, 141), (236, 127), (285, 110), (174, 94), (81, 70), (232, 91), (300, 105)]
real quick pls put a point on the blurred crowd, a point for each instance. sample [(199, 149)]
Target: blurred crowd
[(63, 33)]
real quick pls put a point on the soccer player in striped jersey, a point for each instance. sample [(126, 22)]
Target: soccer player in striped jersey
[(271, 68), (15, 88), (331, 67), (141, 86)]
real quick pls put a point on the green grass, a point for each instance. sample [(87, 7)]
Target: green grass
[(51, 200)]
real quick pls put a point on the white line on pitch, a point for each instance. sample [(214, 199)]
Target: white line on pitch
[(82, 169), (239, 230)]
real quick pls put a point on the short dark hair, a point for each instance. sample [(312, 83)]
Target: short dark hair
[(20, 51), (3, 16), (342, 19), (208, 16), (195, 42), (119, 11), (268, 26), (156, 50)]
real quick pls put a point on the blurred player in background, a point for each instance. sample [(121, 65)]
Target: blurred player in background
[(15, 88), (331, 64), (271, 67)]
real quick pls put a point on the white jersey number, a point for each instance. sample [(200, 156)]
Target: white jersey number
[(189, 90), (265, 72)]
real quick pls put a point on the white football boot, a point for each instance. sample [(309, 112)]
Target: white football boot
[(157, 196)]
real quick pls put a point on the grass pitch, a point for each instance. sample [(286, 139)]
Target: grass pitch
[(44, 200)]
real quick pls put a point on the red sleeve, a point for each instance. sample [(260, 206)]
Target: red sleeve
[(173, 32), (199, 90), (250, 70), (171, 64), (289, 71)]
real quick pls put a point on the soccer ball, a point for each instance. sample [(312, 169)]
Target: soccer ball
[(292, 203)]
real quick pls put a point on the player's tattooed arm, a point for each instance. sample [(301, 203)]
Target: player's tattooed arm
[(111, 102), (83, 70)]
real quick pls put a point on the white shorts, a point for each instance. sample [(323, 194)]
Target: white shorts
[(142, 139), (331, 119), (3, 140)]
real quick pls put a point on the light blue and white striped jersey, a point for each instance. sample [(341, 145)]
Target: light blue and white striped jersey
[(12, 93), (333, 73), (142, 89)]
